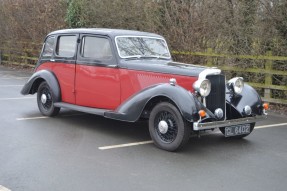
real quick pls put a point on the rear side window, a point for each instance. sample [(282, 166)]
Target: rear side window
[(96, 48), (66, 46), (49, 47)]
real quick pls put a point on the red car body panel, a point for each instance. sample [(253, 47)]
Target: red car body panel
[(104, 87), (65, 74), (133, 81), (97, 87)]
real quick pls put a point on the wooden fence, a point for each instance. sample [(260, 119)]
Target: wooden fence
[(20, 53), (27, 55), (267, 70)]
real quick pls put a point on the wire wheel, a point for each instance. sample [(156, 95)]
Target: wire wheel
[(45, 100), (168, 129), (166, 126)]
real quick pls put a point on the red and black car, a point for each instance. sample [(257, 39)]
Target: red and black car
[(129, 75)]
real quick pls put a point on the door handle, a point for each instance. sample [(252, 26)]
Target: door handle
[(112, 66)]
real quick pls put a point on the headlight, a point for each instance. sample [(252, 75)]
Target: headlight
[(236, 84), (203, 87)]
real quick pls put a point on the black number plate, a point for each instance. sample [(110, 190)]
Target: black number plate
[(237, 130)]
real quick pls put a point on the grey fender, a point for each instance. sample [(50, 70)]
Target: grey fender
[(132, 109), (250, 97), (35, 80)]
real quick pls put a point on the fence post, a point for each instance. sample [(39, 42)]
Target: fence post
[(209, 58), (26, 57), (268, 76), (0, 57)]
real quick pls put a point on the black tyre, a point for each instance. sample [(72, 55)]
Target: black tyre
[(252, 125), (45, 100), (168, 130)]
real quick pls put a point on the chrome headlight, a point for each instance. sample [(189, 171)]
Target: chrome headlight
[(203, 87), (236, 84)]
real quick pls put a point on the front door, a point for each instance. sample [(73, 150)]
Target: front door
[(97, 82)]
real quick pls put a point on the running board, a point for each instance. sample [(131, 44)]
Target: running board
[(81, 108)]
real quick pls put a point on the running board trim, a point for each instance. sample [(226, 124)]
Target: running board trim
[(90, 110)]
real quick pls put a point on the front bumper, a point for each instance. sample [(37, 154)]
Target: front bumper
[(197, 126)]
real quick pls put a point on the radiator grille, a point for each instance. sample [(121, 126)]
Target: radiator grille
[(216, 98)]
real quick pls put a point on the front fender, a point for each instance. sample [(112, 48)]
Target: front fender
[(132, 109), (33, 83), (250, 97)]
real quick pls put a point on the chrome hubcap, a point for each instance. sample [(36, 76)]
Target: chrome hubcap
[(163, 127), (43, 98)]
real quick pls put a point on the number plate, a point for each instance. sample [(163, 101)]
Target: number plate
[(237, 130)]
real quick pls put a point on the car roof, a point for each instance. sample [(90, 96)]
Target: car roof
[(105, 31)]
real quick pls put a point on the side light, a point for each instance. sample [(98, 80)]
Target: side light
[(218, 113), (247, 110), (236, 84), (203, 87), (172, 81)]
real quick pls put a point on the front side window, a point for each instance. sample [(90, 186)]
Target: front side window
[(49, 47), (141, 46), (66, 46), (97, 48)]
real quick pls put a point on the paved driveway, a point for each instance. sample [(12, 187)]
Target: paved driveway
[(77, 151)]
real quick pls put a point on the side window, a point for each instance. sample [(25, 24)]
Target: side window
[(66, 46), (49, 47), (96, 48)]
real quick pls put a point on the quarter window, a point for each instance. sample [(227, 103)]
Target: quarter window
[(66, 46), (96, 48), (49, 47)]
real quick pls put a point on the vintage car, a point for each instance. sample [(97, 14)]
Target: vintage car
[(130, 75)]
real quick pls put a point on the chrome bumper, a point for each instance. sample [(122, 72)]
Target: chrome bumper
[(197, 126)]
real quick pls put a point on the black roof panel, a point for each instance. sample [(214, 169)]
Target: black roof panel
[(105, 31)]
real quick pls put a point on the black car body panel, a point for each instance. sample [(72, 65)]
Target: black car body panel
[(162, 66), (133, 108), (33, 83)]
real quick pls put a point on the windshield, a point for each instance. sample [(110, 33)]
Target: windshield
[(140, 46)]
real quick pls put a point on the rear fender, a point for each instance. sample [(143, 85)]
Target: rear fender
[(31, 86)]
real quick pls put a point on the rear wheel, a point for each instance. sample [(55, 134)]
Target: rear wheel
[(168, 130), (45, 100), (252, 125)]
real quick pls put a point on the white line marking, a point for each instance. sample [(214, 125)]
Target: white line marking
[(10, 85), (31, 118), (16, 98), (2, 188), (149, 142), (273, 125), (7, 71), (125, 145), (46, 117), (11, 78)]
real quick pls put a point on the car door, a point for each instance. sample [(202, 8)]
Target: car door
[(97, 82), (64, 65)]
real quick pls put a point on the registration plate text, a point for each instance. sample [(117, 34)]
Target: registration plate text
[(237, 130)]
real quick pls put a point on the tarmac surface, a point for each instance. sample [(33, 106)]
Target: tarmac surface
[(77, 151)]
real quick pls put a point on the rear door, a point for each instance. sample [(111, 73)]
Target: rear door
[(64, 65), (97, 76)]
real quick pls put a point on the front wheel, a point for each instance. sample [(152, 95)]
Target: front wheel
[(45, 100), (252, 125), (168, 130)]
